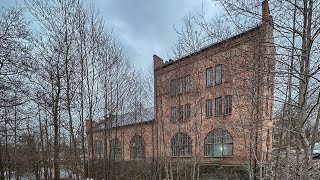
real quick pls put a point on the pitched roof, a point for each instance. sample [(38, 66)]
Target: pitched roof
[(130, 118), (216, 44)]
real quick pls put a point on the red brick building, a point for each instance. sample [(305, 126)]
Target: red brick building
[(214, 105)]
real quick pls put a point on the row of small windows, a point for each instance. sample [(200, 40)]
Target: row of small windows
[(218, 106), (218, 143), (137, 148), (180, 86), (183, 84), (217, 75), (181, 114)]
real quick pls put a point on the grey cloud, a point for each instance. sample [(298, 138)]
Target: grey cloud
[(145, 27)]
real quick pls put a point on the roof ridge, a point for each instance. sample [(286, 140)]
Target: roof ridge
[(216, 43)]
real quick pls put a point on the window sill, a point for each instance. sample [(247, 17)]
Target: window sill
[(116, 160), (208, 86), (184, 121), (138, 159), (230, 156), (181, 156), (227, 114), (218, 115), (180, 122), (208, 117)]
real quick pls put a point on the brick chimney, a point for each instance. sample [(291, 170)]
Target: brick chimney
[(157, 62), (266, 17)]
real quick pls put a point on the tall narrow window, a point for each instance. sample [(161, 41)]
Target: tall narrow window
[(180, 85), (180, 110), (209, 77), (115, 149), (218, 74), (227, 104), (173, 87), (173, 114), (218, 106), (137, 148), (98, 148), (209, 107), (187, 111), (181, 145), (188, 83)]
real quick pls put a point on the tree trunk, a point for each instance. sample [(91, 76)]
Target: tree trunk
[(56, 126)]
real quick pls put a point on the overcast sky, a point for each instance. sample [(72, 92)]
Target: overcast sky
[(145, 27)]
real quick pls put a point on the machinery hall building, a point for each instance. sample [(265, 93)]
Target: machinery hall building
[(212, 106)]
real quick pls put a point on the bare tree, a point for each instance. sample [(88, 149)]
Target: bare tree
[(14, 66), (296, 39), (251, 77)]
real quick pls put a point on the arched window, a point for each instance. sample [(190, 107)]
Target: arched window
[(218, 143), (98, 148), (115, 149), (181, 145), (137, 148)]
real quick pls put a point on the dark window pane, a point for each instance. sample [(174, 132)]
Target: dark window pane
[(188, 83), (228, 105), (227, 149), (218, 106), (180, 110), (173, 87), (137, 148), (173, 114), (98, 148), (209, 77), (115, 149), (187, 111), (218, 74), (181, 145), (180, 85), (209, 107)]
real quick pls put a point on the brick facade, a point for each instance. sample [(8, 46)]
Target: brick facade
[(247, 64)]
